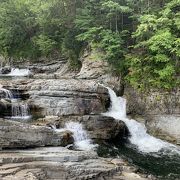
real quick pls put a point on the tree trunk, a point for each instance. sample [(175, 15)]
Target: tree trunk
[(116, 22)]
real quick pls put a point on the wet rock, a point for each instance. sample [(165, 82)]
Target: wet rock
[(5, 70), (20, 135), (5, 107), (97, 126), (66, 96)]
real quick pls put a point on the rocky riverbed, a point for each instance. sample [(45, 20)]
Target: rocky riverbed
[(57, 96)]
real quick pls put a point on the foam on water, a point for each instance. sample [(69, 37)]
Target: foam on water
[(19, 72), (138, 132)]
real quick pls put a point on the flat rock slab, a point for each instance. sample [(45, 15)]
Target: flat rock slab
[(15, 134), (59, 163)]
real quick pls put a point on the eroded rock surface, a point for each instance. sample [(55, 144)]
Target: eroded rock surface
[(64, 96), (165, 127)]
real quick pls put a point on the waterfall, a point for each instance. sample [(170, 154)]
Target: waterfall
[(7, 94), (19, 72), (81, 139), (20, 110), (138, 132)]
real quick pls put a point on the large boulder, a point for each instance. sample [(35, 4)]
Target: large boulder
[(20, 135), (5, 70), (98, 127)]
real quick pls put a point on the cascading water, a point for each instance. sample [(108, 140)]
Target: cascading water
[(6, 93), (19, 110), (19, 72), (139, 137), (81, 139)]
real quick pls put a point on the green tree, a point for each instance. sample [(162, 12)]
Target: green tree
[(17, 27), (154, 60)]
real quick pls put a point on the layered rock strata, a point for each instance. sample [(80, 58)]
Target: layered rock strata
[(21, 135), (63, 164)]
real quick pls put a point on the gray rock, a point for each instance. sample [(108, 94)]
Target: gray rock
[(96, 68), (166, 127), (16, 134), (97, 126), (65, 96), (60, 164), (5, 70), (153, 103), (5, 107)]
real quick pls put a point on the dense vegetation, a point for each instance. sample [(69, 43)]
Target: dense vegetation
[(139, 38)]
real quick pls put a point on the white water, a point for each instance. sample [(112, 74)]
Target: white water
[(19, 72), (139, 137), (19, 110), (81, 139)]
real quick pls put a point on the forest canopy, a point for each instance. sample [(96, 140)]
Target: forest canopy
[(138, 38)]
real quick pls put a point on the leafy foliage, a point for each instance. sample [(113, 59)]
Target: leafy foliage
[(138, 38), (155, 61)]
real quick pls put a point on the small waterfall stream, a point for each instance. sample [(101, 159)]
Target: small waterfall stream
[(15, 72), (19, 109), (81, 139), (19, 72), (7, 94), (138, 132)]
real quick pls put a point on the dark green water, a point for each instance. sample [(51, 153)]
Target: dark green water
[(164, 167)]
